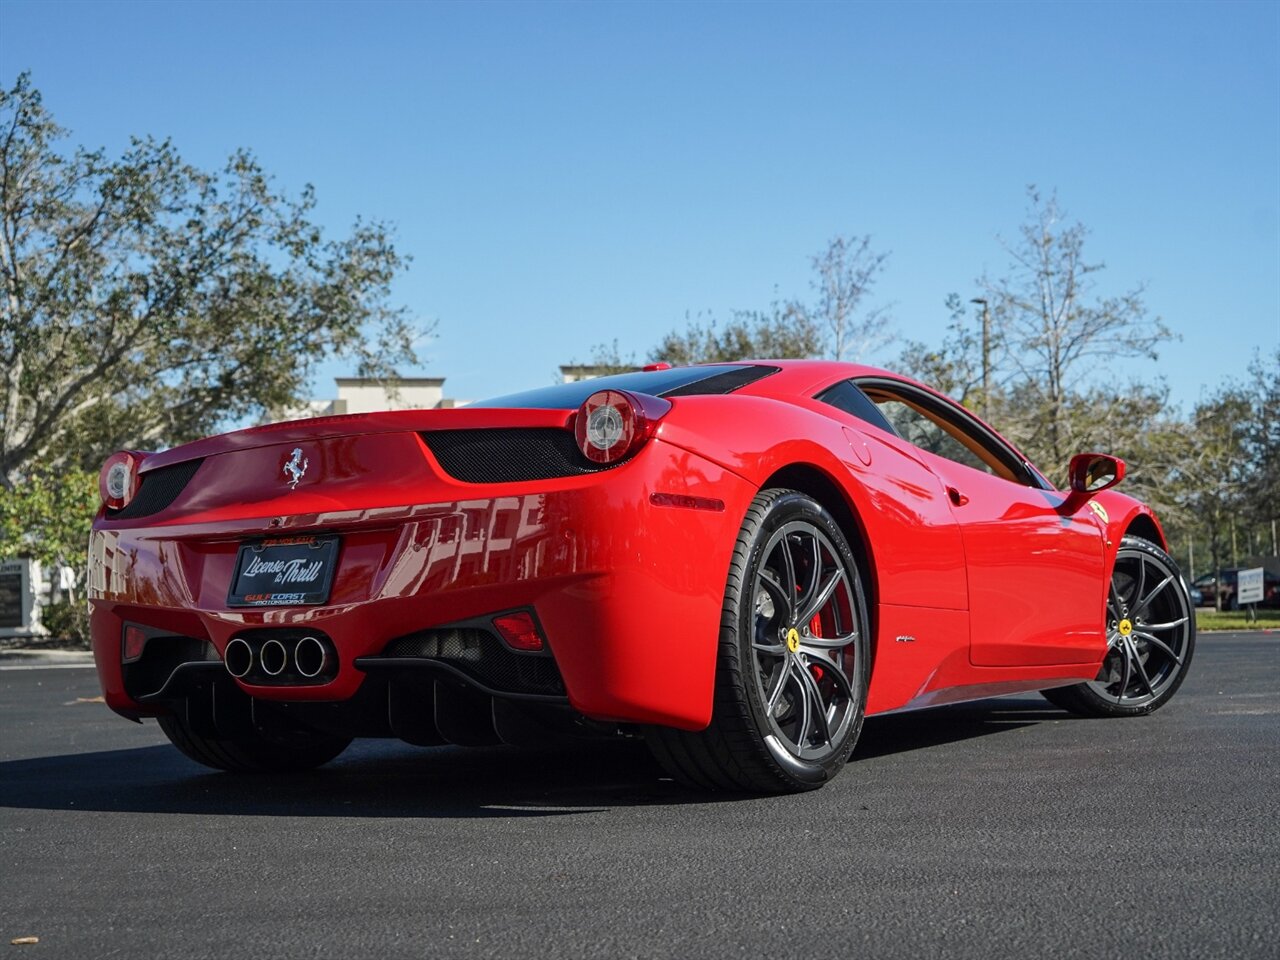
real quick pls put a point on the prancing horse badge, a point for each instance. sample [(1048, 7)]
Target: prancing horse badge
[(296, 467)]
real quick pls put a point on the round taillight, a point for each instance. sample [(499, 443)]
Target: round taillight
[(118, 481), (612, 424)]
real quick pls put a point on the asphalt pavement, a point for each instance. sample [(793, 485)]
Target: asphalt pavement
[(1000, 829)]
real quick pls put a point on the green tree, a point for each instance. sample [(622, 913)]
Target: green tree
[(146, 302), (1228, 489), (780, 333), (1213, 480), (1262, 439), (47, 516)]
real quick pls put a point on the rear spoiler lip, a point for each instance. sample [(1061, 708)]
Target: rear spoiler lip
[(388, 421)]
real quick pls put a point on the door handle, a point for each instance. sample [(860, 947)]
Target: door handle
[(957, 498)]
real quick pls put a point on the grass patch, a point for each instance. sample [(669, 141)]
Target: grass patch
[(1235, 620)]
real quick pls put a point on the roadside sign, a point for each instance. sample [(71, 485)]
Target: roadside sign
[(13, 592), (1249, 586), (19, 611)]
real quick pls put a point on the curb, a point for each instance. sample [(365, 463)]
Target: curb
[(44, 657), (1245, 631)]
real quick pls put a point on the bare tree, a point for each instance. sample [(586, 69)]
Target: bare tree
[(1054, 329), (844, 274), (835, 324), (954, 364)]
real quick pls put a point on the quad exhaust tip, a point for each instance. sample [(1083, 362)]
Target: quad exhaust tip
[(273, 658), (239, 658), (307, 659), (310, 657)]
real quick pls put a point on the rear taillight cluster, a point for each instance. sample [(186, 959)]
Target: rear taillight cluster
[(613, 424), (118, 482)]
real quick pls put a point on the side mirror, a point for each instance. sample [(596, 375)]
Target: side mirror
[(1092, 472)]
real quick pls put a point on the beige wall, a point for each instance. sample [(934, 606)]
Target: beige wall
[(365, 396), (356, 395)]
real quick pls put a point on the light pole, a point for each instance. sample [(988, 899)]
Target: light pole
[(986, 352)]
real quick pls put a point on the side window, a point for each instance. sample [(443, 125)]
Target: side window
[(847, 397), (945, 431), (914, 427)]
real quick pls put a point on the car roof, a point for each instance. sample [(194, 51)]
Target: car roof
[(805, 377)]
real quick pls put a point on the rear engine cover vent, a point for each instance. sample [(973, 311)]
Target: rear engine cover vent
[(158, 491), (510, 455)]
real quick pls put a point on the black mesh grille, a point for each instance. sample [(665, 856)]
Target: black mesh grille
[(481, 655), (159, 489), (509, 455)]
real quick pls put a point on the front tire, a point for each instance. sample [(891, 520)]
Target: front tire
[(792, 671), (1151, 635)]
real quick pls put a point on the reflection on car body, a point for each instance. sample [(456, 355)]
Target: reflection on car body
[(716, 558)]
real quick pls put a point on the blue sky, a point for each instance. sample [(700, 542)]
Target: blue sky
[(569, 174)]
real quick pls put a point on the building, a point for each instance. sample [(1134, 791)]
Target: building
[(573, 372), (367, 395)]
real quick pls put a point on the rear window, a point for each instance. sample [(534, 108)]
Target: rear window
[(676, 382)]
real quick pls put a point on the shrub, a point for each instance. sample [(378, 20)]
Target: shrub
[(68, 621)]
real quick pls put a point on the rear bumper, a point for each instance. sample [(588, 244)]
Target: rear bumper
[(628, 593)]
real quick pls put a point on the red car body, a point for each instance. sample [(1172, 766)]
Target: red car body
[(977, 586), (485, 546)]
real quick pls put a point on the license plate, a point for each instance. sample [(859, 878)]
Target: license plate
[(283, 572)]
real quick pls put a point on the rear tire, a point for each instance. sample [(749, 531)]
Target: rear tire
[(264, 751), (1151, 632), (791, 675)]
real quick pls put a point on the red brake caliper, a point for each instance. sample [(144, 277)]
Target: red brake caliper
[(815, 629)]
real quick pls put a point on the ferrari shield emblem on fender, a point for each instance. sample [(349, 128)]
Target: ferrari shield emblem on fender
[(296, 467), (1099, 510)]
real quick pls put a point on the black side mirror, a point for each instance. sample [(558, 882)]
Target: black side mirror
[(1092, 472)]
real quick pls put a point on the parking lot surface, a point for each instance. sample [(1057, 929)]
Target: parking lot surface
[(1000, 829)]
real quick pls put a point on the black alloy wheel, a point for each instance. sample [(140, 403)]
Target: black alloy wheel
[(791, 679), (1151, 636)]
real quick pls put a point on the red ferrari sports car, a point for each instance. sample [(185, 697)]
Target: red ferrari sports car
[(736, 561)]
